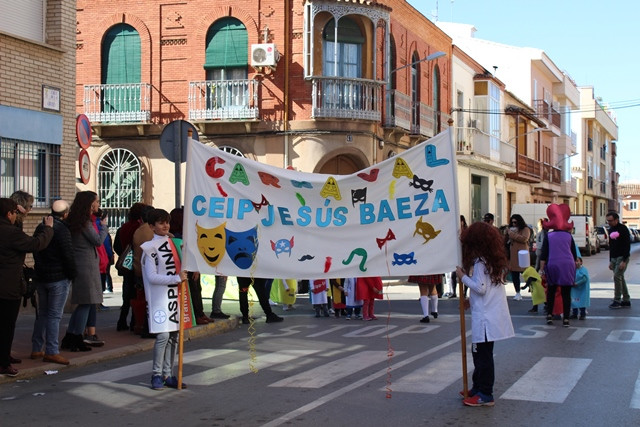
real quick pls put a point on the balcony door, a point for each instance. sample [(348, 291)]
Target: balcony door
[(415, 94), (226, 64), (342, 57), (121, 70)]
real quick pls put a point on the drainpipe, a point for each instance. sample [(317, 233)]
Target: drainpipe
[(287, 32)]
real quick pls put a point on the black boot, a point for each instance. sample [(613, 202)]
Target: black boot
[(67, 341), (78, 344)]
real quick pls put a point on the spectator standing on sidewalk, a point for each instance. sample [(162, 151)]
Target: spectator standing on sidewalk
[(55, 268), (87, 287), (123, 239), (619, 254), (14, 245)]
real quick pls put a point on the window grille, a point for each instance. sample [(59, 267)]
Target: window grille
[(32, 167), (119, 185)]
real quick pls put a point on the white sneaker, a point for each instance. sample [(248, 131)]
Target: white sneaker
[(517, 297)]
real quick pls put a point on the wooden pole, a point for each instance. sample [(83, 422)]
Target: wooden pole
[(183, 289), (463, 338)]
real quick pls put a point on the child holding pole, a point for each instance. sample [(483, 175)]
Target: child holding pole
[(484, 262), (162, 275)]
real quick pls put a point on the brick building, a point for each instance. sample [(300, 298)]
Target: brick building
[(322, 86), (37, 101)]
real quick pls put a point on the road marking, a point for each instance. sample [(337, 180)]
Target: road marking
[(241, 367), (137, 369), (356, 384), (635, 398), (335, 370), (549, 380), (434, 377)]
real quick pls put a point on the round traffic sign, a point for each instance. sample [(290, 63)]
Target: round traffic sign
[(83, 131), (173, 140), (85, 166)]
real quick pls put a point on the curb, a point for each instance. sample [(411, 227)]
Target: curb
[(220, 326)]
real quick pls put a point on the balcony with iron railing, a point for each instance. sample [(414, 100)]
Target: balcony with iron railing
[(223, 100), (346, 98), (118, 103), (398, 110)]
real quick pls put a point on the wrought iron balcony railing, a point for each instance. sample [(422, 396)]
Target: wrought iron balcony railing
[(346, 98), (118, 103), (223, 100)]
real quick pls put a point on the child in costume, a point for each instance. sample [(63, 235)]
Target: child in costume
[(318, 296), (284, 292), (162, 274), (483, 265), (580, 293), (338, 297), (369, 289), (354, 305)]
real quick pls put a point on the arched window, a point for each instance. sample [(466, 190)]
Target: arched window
[(415, 93), (119, 184), (344, 57), (121, 69), (227, 55), (226, 65), (231, 150), (436, 100)]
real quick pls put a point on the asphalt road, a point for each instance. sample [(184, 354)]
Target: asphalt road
[(311, 371)]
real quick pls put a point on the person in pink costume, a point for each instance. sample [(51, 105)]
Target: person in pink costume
[(558, 259)]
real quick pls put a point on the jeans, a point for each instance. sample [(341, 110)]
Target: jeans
[(483, 371), (78, 320), (218, 293), (619, 284), (51, 299), (164, 353)]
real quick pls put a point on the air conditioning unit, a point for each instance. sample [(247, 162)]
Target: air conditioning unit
[(264, 55)]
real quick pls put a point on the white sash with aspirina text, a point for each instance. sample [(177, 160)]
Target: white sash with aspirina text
[(162, 298)]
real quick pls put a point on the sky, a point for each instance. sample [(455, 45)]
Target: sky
[(595, 42)]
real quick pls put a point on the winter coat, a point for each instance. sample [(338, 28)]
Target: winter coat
[(87, 286), (57, 261), (519, 241), (14, 245)]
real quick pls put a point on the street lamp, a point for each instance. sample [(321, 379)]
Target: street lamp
[(568, 156), (431, 57), (527, 133)]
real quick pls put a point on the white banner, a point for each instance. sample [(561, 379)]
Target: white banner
[(395, 218)]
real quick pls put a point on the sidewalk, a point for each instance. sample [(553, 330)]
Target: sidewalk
[(117, 344)]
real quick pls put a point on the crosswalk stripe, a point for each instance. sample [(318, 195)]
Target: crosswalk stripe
[(433, 377), (241, 367), (635, 398), (337, 369), (136, 369), (550, 380)]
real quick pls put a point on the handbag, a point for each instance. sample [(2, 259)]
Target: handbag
[(125, 261)]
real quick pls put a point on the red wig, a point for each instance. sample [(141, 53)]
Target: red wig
[(482, 240)]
